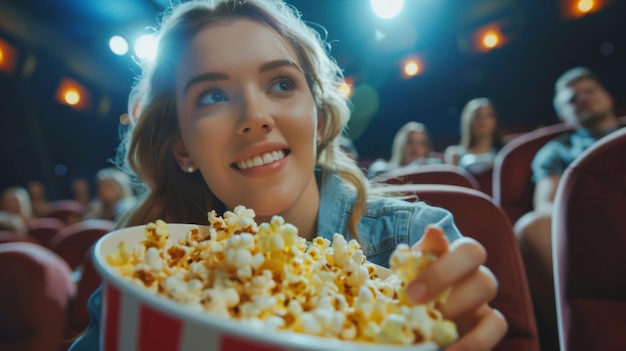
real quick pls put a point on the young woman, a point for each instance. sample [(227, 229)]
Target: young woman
[(411, 145), (114, 195), (241, 107), (480, 137)]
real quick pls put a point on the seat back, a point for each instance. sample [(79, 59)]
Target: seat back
[(68, 211), (513, 188), (429, 174), (89, 281), (485, 181), (43, 229), (477, 216), (589, 238), (8, 236), (34, 300), (73, 241)]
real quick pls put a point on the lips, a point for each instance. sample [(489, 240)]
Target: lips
[(261, 160)]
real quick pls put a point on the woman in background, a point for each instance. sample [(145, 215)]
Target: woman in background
[(411, 145), (114, 195), (17, 201), (480, 137)]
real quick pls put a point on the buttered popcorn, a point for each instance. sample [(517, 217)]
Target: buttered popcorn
[(268, 276)]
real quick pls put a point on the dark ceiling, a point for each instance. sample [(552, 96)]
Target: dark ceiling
[(70, 38)]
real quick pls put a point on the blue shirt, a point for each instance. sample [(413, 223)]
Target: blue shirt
[(386, 223), (554, 157)]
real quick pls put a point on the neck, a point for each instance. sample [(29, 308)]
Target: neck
[(482, 145), (303, 213)]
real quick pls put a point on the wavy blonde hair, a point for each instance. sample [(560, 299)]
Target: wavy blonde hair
[(147, 151)]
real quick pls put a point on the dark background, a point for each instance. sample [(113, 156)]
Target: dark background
[(45, 140)]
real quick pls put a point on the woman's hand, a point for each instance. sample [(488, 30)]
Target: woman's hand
[(460, 266)]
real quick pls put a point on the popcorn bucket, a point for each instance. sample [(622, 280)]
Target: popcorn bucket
[(134, 318)]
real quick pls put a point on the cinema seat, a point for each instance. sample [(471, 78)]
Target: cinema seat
[(34, 298), (429, 174), (478, 216), (589, 235)]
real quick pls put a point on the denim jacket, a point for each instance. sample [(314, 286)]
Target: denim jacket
[(386, 223)]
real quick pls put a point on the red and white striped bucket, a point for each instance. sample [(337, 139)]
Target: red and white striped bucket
[(134, 318)]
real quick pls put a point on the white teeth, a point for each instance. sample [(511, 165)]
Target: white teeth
[(261, 160), (257, 161)]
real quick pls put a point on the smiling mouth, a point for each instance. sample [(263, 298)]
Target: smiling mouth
[(261, 160)]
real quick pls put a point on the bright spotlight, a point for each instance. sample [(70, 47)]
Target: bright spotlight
[(387, 8), (146, 47), (491, 40), (72, 97), (118, 45), (585, 6), (411, 67)]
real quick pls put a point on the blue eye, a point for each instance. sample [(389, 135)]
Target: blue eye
[(282, 86), (212, 97)]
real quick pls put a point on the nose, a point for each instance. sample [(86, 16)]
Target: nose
[(255, 115)]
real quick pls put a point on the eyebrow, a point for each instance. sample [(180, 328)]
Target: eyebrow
[(264, 68), (272, 65)]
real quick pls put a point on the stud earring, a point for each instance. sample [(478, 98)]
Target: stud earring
[(191, 169), (319, 140)]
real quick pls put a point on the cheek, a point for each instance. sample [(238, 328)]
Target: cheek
[(206, 140)]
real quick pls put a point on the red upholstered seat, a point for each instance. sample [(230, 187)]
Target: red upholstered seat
[(34, 298), (68, 211), (589, 235), (513, 188), (44, 228), (7, 236), (73, 241), (429, 174), (512, 183), (485, 181), (89, 281), (477, 216)]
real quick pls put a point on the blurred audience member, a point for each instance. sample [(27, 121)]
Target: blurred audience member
[(38, 200), (80, 191), (114, 195), (480, 137), (411, 145), (13, 223), (346, 144), (582, 101), (17, 201)]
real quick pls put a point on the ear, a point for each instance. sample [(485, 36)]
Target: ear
[(321, 124), (182, 157)]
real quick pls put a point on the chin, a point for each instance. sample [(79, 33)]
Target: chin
[(267, 208)]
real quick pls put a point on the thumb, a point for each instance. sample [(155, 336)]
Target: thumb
[(434, 241)]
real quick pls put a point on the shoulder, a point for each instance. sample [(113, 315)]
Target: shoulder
[(453, 153), (455, 150), (377, 167), (555, 146)]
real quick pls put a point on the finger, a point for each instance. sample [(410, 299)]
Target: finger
[(465, 256), (434, 241), (476, 289), (485, 335)]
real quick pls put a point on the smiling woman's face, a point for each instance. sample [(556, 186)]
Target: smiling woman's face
[(247, 117)]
